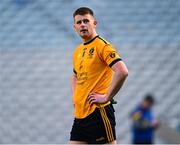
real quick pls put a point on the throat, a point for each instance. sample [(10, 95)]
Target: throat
[(89, 40)]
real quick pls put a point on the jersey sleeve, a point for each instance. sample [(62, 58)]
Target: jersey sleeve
[(73, 60), (109, 55)]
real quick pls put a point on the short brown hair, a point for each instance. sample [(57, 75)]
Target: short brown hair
[(83, 11), (149, 98)]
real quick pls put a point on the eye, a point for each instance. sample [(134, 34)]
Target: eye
[(78, 22), (85, 21)]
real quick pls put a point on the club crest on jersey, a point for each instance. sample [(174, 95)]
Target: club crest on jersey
[(91, 52)]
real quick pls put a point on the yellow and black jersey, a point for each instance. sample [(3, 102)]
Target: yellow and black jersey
[(92, 63)]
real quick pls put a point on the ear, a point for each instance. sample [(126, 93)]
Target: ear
[(95, 22)]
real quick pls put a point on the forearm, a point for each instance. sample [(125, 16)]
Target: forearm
[(116, 84), (73, 83), (120, 75)]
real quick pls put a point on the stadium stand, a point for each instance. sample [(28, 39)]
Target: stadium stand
[(36, 44)]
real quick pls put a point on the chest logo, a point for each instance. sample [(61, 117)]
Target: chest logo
[(91, 52)]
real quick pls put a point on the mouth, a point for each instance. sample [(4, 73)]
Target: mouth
[(83, 30)]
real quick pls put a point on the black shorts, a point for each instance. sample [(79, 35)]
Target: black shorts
[(97, 128)]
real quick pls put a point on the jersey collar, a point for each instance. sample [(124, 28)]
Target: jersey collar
[(91, 40)]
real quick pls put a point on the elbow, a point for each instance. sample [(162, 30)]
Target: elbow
[(121, 69), (125, 73)]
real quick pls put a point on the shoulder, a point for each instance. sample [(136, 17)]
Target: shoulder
[(102, 41), (105, 44), (77, 49)]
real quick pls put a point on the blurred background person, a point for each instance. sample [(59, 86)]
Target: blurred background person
[(143, 122)]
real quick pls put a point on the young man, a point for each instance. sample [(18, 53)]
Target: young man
[(95, 62), (144, 123)]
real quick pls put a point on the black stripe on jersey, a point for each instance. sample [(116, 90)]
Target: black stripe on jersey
[(91, 40), (74, 71), (116, 60), (102, 40)]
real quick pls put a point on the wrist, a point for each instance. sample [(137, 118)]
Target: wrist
[(106, 99)]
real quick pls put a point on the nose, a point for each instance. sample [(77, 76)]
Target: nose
[(82, 24)]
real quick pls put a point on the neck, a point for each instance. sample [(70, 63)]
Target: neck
[(89, 38)]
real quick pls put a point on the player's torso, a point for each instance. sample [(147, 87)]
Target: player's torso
[(92, 73), (87, 63)]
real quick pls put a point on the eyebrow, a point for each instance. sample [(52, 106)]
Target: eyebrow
[(82, 20), (78, 21)]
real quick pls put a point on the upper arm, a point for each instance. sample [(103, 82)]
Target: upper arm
[(120, 67), (109, 55)]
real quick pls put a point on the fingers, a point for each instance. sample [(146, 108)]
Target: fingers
[(91, 95), (92, 98), (92, 101), (95, 98)]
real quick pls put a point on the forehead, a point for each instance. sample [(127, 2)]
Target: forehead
[(81, 17)]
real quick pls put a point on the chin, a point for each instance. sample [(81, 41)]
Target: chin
[(85, 36)]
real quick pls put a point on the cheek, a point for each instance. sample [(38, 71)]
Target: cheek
[(90, 27), (76, 28)]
